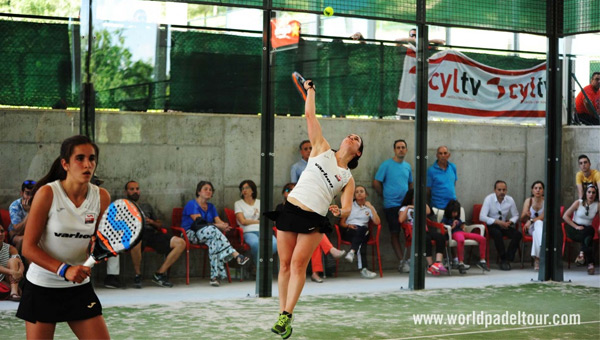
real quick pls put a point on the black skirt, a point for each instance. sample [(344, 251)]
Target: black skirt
[(294, 219), (54, 305)]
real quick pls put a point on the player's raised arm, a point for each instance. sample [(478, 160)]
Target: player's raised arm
[(315, 134)]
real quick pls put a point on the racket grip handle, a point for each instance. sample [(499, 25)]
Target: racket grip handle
[(90, 262)]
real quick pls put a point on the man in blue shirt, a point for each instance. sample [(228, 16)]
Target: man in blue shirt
[(19, 211), (441, 179), (392, 181), (299, 166)]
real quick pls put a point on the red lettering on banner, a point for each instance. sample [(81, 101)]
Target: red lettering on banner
[(433, 87), (445, 84), (511, 87)]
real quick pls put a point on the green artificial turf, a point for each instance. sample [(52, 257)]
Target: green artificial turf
[(355, 316)]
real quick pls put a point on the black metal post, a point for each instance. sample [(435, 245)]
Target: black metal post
[(264, 277), (417, 264), (87, 113), (551, 254)]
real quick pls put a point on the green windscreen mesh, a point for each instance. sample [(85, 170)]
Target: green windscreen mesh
[(384, 9), (215, 73), (232, 3), (581, 16), (511, 15), (35, 67)]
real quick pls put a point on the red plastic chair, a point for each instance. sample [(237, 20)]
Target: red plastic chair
[(374, 232), (525, 239), (176, 228), (236, 236), (5, 217)]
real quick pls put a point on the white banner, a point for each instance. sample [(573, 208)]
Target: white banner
[(461, 88)]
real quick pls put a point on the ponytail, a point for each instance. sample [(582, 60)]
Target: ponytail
[(56, 172)]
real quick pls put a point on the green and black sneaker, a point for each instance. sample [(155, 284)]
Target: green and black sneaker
[(283, 326)]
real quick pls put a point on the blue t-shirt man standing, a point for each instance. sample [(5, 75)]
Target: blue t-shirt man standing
[(392, 181), (441, 179)]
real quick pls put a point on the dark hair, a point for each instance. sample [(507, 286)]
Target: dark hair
[(498, 181), (583, 156), (302, 143), (593, 74), (400, 140), (359, 186), (451, 207), (408, 198), (354, 162), (201, 184), (591, 185), (537, 182), (66, 150), (28, 184), (127, 184), (288, 187), (252, 186)]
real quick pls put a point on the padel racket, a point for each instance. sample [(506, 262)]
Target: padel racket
[(120, 229), (299, 84)]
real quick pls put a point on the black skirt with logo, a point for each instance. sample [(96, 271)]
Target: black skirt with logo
[(294, 219)]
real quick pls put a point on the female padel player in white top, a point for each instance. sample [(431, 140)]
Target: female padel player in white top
[(302, 222), (65, 211)]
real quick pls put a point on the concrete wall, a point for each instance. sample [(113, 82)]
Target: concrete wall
[(169, 153)]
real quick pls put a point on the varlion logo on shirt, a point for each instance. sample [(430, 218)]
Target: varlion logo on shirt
[(67, 235), (89, 219)]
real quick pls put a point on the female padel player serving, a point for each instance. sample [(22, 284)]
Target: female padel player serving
[(302, 222), (63, 217)]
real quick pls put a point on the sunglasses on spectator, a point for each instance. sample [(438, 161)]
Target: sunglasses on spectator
[(28, 182), (500, 213), (287, 190), (587, 210)]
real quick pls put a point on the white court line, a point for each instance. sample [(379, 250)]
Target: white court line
[(487, 331)]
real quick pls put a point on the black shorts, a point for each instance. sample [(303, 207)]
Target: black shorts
[(158, 241), (54, 305), (294, 219)]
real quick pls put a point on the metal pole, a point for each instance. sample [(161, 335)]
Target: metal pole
[(264, 277), (87, 111), (551, 254), (417, 264)]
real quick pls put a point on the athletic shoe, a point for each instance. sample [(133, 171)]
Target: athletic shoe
[(462, 268), (349, 257), (214, 282), (367, 274), (432, 270), (536, 266), (161, 280), (137, 281), (242, 260), (404, 267), (337, 253), (580, 260), (283, 326), (483, 266), (112, 282), (316, 278), (441, 267), (591, 270)]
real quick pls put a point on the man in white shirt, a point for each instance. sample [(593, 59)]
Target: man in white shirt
[(495, 212)]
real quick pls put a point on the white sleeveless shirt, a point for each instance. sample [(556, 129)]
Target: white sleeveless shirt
[(320, 182), (67, 234)]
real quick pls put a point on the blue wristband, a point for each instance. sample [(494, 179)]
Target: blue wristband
[(63, 270)]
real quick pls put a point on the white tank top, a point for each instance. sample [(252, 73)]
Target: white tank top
[(67, 234), (581, 218), (320, 182)]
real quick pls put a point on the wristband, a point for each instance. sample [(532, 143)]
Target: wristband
[(62, 270)]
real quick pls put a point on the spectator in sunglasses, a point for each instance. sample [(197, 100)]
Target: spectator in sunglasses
[(305, 149), (500, 213), (19, 210), (532, 219), (412, 38), (579, 218)]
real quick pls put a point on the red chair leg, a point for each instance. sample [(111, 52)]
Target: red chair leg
[(187, 266)]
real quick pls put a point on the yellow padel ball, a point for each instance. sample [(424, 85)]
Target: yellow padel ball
[(328, 11)]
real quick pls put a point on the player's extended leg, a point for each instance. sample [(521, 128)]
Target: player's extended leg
[(93, 328), (286, 241), (39, 330), (305, 246)]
